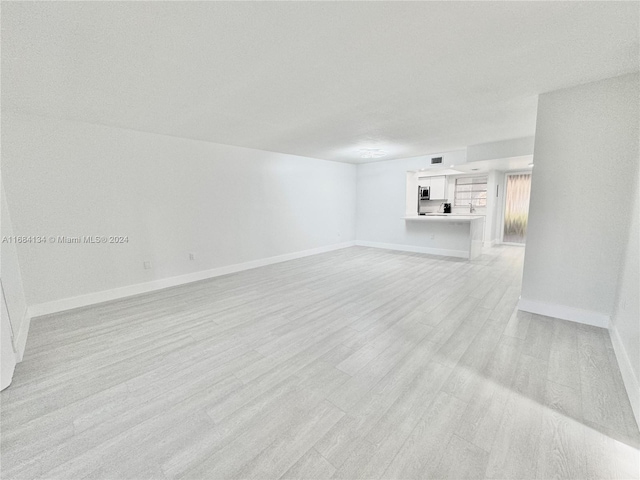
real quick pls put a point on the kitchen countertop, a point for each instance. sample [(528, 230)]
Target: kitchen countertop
[(455, 214), (443, 217)]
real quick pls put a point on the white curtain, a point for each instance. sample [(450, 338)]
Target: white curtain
[(516, 211)]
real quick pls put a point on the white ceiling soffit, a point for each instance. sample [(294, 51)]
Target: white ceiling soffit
[(523, 162), (503, 164), (318, 79)]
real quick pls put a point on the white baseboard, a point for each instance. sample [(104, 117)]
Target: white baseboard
[(629, 379), (411, 248), (61, 305), (563, 312), (21, 337)]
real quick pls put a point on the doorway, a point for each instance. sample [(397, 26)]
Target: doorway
[(516, 208)]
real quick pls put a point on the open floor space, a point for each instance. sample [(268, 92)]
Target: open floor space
[(348, 364)]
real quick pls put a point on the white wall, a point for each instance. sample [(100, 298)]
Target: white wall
[(495, 202), (12, 285), (170, 196), (625, 322), (586, 156)]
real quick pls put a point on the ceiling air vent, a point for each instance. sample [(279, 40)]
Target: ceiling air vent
[(436, 160)]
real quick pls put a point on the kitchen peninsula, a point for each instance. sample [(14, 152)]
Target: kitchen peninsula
[(464, 231)]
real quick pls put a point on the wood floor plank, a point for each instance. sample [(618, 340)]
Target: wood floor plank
[(311, 466), (518, 324), (466, 378), (454, 347), (281, 455), (601, 403), (482, 418), (358, 386), (561, 454), (539, 337), (608, 457), (564, 365), (432, 435), (461, 460), (515, 450), (389, 433), (342, 440)]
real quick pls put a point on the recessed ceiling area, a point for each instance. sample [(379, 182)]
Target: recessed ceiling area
[(317, 79)]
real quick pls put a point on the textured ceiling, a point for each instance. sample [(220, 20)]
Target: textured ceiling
[(319, 79)]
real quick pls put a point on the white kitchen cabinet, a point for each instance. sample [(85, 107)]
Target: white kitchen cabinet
[(424, 181), (437, 186)]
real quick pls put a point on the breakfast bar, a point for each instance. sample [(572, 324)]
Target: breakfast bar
[(468, 233)]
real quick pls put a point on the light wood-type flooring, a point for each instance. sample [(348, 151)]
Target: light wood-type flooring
[(358, 363)]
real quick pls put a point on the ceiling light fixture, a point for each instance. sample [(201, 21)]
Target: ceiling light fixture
[(372, 153)]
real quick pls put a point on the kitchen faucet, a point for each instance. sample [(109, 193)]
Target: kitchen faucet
[(471, 208)]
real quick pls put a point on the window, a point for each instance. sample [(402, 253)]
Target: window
[(471, 190)]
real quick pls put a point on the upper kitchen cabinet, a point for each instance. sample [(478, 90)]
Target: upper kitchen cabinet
[(437, 186)]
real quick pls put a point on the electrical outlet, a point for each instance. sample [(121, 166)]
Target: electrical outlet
[(147, 265), (432, 236), (192, 256)]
